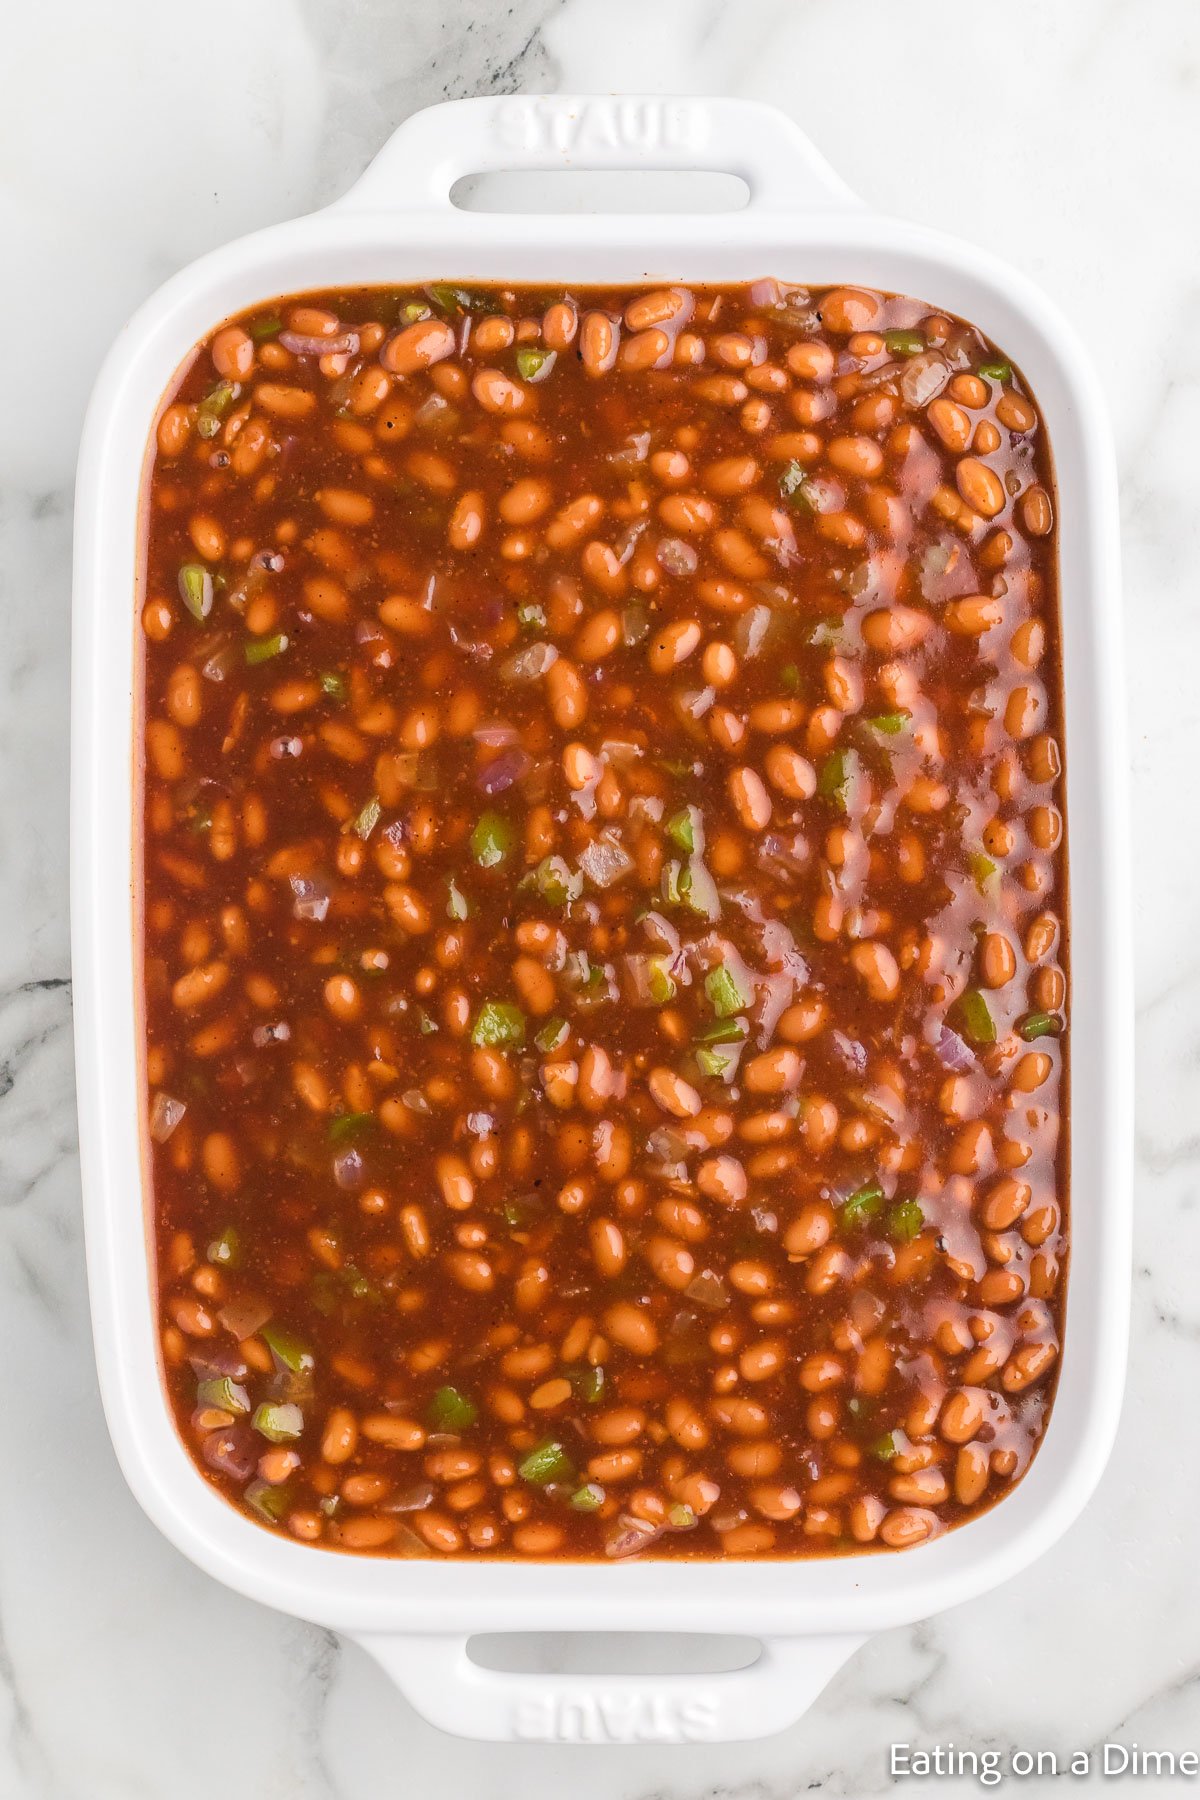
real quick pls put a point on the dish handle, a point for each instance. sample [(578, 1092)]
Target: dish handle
[(434, 148), (459, 1696)]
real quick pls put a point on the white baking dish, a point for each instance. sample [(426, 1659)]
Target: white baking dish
[(398, 225)]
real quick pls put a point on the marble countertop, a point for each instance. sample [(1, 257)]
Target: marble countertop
[(1066, 137)]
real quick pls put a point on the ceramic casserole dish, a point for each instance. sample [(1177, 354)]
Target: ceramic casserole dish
[(399, 224)]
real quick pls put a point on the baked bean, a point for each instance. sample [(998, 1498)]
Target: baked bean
[(859, 456), (417, 347), (392, 1432), (567, 694), (560, 325), (632, 1328), (496, 393), (878, 969), (973, 615), (600, 636), (690, 514), (750, 799), (598, 343), (844, 310), (674, 1095), (233, 353), (774, 1072), (466, 521), (368, 1533), (525, 501), (980, 486), (722, 1178), (907, 1526), (997, 959), (685, 1424), (608, 1247), (900, 628), (671, 1262), (1037, 514), (618, 1425), (673, 645), (284, 401)]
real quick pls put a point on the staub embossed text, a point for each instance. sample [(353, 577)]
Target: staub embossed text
[(600, 125), (615, 1718)]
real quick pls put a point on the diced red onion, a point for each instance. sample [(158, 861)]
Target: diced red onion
[(605, 861), (861, 579), (495, 735), (481, 1124), (707, 1288), (626, 544), (962, 348), (784, 855), (775, 995), (923, 378), (312, 899), (284, 749), (953, 1053), (217, 1360), (631, 1536), (695, 702), (660, 930), (779, 949), (620, 750), (221, 663), (244, 1315), (232, 1451), (349, 1170), (750, 632), (503, 770), (677, 557), (764, 292), (528, 664), (240, 592), (635, 449), (667, 1147), (165, 1115), (882, 1103), (702, 894), (936, 561), (823, 494), (278, 1033), (851, 1052), (798, 310), (344, 344), (413, 1498), (477, 648), (433, 410), (635, 623)]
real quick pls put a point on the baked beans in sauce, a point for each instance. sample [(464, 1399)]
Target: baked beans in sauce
[(603, 885)]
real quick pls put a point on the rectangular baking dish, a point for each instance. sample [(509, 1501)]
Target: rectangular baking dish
[(398, 225)]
